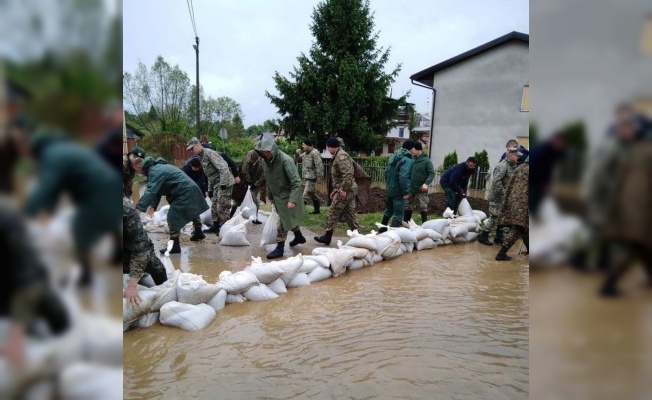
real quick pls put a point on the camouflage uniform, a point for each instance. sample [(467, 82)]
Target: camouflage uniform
[(139, 257), (220, 181), (128, 174), (252, 173), (312, 169), (515, 212), (499, 181), (342, 172)]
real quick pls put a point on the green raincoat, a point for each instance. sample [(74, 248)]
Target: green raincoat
[(284, 183), (182, 193), (397, 173)]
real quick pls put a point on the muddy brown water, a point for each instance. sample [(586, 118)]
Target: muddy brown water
[(443, 323)]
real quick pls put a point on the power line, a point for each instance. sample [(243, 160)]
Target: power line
[(191, 11), (194, 21)]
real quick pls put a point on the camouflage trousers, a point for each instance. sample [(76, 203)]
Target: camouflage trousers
[(517, 232), (221, 206), (281, 233), (136, 265), (345, 207), (418, 201), (490, 221), (310, 191), (196, 224)]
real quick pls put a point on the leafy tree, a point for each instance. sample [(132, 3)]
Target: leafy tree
[(450, 160), (479, 181), (255, 130), (533, 132), (340, 88), (575, 133)]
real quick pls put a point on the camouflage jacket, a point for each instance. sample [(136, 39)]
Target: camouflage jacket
[(342, 172), (136, 240), (499, 180), (311, 165), (216, 169), (128, 174), (252, 169), (515, 209)]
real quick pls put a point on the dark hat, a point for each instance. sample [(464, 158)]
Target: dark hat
[(138, 152), (418, 146), (307, 142), (333, 142), (409, 145)]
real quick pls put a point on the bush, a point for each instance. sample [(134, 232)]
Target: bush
[(479, 181), (449, 160)]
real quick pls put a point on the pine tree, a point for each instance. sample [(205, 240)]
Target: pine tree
[(340, 88)]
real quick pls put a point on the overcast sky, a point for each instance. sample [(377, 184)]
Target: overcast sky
[(242, 43)]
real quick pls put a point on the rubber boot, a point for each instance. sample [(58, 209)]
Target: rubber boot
[(396, 223), (278, 251), (256, 222), (407, 216), (315, 203), (197, 235), (298, 238), (424, 217), (484, 238), (215, 228), (176, 247), (384, 222), (499, 235), (158, 275), (502, 254), (326, 239)]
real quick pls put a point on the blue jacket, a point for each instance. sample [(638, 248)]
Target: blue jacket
[(199, 177), (457, 177)]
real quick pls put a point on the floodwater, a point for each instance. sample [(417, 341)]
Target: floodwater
[(446, 323)]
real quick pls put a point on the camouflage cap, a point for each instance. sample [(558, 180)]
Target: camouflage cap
[(192, 142), (514, 150), (138, 152)]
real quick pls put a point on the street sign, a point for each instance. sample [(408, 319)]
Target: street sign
[(223, 133)]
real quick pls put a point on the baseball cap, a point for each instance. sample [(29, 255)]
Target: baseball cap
[(192, 142)]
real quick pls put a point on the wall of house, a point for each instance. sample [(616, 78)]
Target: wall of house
[(478, 104)]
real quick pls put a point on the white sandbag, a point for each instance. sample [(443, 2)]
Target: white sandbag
[(308, 265), (440, 242), (390, 234), (238, 282), (460, 239), (376, 258), (398, 253), (403, 248), (434, 235), (189, 317), (359, 251), (235, 298), (363, 243), (167, 263), (218, 301), (448, 241), (156, 227), (436, 225), (301, 279), (192, 289), (237, 219), (248, 206), (147, 281), (338, 259), (265, 273), (448, 213), (355, 264), (426, 243), (206, 217), (405, 234), (323, 261), (480, 214), (320, 274), (370, 259), (147, 320), (421, 233), (235, 236), (131, 313), (464, 208), (470, 226), (388, 243), (278, 286), (225, 273), (100, 339), (81, 380), (457, 231), (409, 247), (290, 267), (270, 230), (471, 236), (468, 218), (167, 291), (259, 293)]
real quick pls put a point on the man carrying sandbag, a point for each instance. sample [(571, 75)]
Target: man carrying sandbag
[(499, 181), (515, 211), (312, 170), (455, 180), (397, 177), (182, 193), (139, 257), (344, 191), (422, 176), (284, 187)]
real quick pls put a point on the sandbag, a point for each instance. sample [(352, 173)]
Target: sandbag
[(301, 279), (146, 281), (218, 301), (359, 251), (235, 298), (270, 230), (355, 264), (238, 282), (265, 273), (100, 340), (309, 265), (387, 245), (370, 258), (459, 239), (362, 242), (421, 233), (440, 242), (398, 253), (457, 231), (319, 259), (434, 235), (156, 227), (470, 226), (167, 263), (235, 236), (448, 213), (471, 236), (82, 380), (405, 234), (133, 312), (376, 258), (259, 292), (436, 225), (320, 274), (448, 241), (464, 208), (147, 320), (290, 267), (192, 289), (403, 248), (468, 218), (390, 234), (278, 286), (338, 259), (480, 214), (189, 317), (206, 217), (167, 291), (426, 243)]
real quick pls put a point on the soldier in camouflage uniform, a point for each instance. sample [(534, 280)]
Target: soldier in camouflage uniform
[(499, 181), (252, 173), (515, 212), (139, 257), (312, 169), (128, 171), (220, 182), (344, 191)]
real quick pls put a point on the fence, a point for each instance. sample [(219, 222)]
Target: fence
[(478, 184)]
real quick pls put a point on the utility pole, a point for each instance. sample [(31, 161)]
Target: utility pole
[(196, 47)]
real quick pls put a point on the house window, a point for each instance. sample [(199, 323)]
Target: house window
[(525, 100), (400, 131), (646, 38)]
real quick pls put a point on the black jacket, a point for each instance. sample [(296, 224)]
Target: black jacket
[(457, 177), (199, 177)]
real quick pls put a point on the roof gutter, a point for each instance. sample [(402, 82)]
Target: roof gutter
[(432, 114)]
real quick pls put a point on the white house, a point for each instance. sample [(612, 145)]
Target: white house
[(480, 99)]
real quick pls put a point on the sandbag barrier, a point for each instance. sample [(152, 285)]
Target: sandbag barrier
[(188, 302)]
